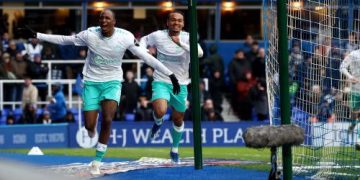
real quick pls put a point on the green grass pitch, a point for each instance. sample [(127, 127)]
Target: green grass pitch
[(235, 153)]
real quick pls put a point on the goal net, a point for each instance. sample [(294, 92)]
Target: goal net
[(321, 33)]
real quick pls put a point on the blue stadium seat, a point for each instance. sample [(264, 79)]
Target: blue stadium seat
[(4, 113), (3, 119), (17, 113), (76, 117), (75, 111), (130, 117), (39, 112), (299, 115)]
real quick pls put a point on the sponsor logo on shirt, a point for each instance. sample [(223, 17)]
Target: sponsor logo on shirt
[(163, 57), (100, 60)]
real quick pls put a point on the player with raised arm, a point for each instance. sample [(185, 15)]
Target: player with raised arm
[(352, 63), (173, 50), (103, 73)]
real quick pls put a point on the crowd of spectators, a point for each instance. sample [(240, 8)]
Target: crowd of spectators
[(247, 81), (316, 86), (21, 59), (242, 82)]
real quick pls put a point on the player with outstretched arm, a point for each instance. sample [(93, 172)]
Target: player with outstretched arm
[(103, 73)]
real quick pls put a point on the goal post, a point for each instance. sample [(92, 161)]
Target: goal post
[(195, 101), (283, 83), (319, 34)]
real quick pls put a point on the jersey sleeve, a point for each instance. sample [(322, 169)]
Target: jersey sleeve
[(143, 42), (81, 38), (78, 40), (185, 44), (144, 55), (148, 40)]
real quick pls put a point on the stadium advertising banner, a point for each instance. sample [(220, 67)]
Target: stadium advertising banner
[(334, 134), (27, 136), (123, 134), (136, 134)]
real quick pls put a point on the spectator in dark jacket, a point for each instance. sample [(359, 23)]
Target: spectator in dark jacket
[(144, 111), (12, 50), (249, 40), (38, 70), (332, 70), (253, 53), (7, 72), (216, 89), (238, 67), (214, 61), (148, 87), (243, 104), (29, 114), (7, 66), (208, 112), (3, 73), (259, 99), (130, 93), (258, 66), (48, 53), (296, 60)]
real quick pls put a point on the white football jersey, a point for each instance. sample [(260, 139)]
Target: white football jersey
[(351, 67), (105, 54), (173, 56)]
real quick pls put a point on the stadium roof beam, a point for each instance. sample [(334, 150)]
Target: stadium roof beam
[(129, 5), (117, 7)]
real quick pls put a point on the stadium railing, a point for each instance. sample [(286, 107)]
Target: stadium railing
[(70, 82), (13, 104)]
